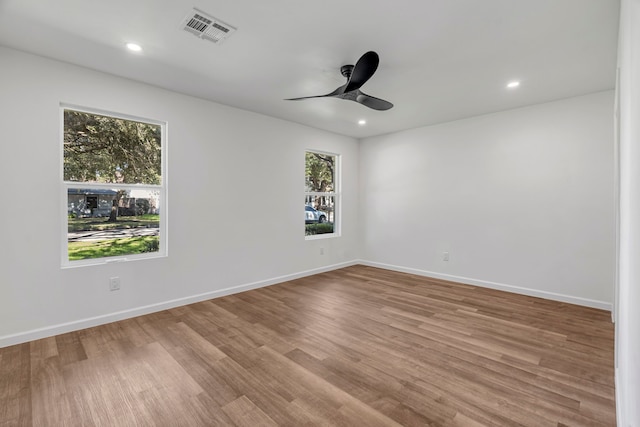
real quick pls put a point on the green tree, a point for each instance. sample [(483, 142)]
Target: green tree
[(319, 173), (110, 150)]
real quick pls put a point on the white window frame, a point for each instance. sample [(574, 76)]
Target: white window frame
[(336, 194), (66, 185)]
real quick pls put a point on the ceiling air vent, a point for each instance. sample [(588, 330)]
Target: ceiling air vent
[(207, 27)]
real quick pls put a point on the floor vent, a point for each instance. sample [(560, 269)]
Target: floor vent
[(207, 27)]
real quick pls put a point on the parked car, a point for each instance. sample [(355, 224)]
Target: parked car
[(312, 215)]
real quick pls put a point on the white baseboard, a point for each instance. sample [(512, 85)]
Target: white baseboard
[(492, 285), (63, 328)]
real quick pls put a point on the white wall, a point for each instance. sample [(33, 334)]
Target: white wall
[(522, 200), (235, 201), (628, 295)]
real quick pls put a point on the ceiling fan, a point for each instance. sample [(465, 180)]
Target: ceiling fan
[(357, 76)]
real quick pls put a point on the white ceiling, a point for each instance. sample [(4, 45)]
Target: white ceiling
[(440, 60)]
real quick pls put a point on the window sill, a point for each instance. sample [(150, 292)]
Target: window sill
[(110, 260), (322, 236)]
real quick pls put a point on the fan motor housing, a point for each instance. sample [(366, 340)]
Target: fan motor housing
[(346, 70)]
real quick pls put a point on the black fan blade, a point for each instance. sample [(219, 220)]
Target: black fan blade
[(373, 102), (366, 100), (363, 70), (337, 92)]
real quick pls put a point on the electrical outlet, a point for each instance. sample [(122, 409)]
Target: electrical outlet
[(321, 251), (114, 284), (445, 256)]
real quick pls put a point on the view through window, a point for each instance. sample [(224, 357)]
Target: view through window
[(112, 177), (321, 193)]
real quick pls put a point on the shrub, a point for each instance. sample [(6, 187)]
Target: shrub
[(324, 228), (142, 206), (152, 245)]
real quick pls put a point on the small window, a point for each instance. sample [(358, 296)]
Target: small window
[(322, 195), (113, 187)]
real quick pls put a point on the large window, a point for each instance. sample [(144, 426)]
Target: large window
[(322, 194), (113, 186)]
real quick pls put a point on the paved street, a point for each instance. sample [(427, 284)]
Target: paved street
[(89, 236)]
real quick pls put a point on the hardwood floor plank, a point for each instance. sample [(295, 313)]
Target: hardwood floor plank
[(147, 384), (356, 346), (216, 390), (463, 421), (197, 343), (257, 389), (15, 392), (70, 348), (243, 412), (50, 405)]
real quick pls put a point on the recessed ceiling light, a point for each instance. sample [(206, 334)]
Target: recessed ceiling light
[(362, 122), (513, 84), (134, 47)]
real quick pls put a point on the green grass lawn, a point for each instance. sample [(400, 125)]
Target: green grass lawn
[(113, 247), (97, 224)]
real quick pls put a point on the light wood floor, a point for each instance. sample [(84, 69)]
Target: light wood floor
[(354, 347)]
